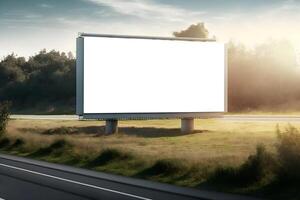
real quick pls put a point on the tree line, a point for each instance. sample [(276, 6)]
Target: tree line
[(265, 78), (43, 83)]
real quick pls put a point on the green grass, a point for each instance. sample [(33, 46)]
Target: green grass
[(110, 160), (218, 153)]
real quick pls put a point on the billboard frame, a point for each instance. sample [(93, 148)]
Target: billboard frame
[(136, 116)]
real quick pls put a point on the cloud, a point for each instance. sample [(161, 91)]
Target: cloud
[(44, 5), (149, 9), (32, 16)]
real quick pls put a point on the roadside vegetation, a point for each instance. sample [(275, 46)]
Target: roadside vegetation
[(4, 116), (275, 175), (255, 158)]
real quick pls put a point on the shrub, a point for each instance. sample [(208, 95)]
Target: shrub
[(288, 150), (4, 116), (56, 148), (164, 167), (4, 142), (256, 168), (109, 155), (18, 143)]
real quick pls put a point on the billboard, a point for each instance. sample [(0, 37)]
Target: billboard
[(143, 77)]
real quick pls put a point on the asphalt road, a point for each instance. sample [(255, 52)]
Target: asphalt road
[(22, 179), (292, 118)]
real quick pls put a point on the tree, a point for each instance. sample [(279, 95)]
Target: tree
[(11, 70), (193, 31)]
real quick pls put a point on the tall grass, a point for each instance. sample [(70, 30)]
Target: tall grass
[(262, 169), (109, 155), (257, 168), (274, 171), (57, 147), (288, 150), (4, 115)]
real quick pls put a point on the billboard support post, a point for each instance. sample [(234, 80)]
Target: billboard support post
[(111, 126), (187, 125)]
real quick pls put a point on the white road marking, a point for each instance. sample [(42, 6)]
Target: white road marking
[(75, 182)]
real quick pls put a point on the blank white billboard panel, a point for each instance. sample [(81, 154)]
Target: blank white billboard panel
[(128, 75)]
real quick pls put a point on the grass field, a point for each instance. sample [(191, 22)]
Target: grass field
[(218, 141), (153, 149)]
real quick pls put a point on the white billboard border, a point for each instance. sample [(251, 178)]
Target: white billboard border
[(137, 116)]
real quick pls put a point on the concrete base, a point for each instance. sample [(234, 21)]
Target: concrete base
[(187, 125), (111, 126)]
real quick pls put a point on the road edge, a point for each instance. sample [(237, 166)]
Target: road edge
[(190, 192)]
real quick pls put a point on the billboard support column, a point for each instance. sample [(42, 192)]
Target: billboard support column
[(111, 126), (187, 125)]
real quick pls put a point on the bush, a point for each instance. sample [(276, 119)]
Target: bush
[(109, 155), (4, 142), (164, 167), (57, 148), (288, 150), (257, 167), (18, 143), (4, 116), (280, 168)]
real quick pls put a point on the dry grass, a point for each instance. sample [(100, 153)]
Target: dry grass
[(215, 142), (219, 152)]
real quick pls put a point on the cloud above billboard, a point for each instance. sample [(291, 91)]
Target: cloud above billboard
[(150, 10)]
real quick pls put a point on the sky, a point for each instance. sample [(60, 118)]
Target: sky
[(29, 26)]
